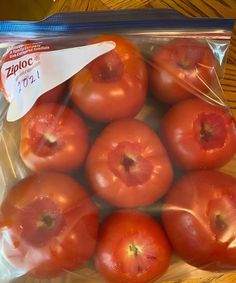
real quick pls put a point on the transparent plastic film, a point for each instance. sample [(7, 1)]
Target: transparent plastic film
[(112, 157), (12, 171), (24, 71), (212, 221), (186, 67)]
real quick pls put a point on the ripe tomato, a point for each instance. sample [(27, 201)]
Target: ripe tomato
[(198, 134), (53, 137), (114, 85), (53, 95), (181, 68), (53, 225), (131, 248), (128, 165), (199, 216)]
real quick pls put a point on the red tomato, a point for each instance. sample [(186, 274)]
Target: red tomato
[(131, 248), (53, 137), (128, 165), (53, 95), (199, 216), (53, 225), (180, 69), (114, 85), (198, 134)]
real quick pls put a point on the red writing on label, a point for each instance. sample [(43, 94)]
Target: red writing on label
[(12, 70)]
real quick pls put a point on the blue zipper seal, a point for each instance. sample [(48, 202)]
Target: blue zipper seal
[(70, 23)]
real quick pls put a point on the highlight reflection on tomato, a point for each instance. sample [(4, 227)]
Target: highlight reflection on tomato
[(53, 225)]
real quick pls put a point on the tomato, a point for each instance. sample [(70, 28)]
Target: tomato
[(199, 135), (53, 225), (199, 216), (180, 69), (114, 85), (128, 165), (131, 248), (53, 95), (53, 137)]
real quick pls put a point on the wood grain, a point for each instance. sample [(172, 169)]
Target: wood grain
[(24, 9), (181, 273)]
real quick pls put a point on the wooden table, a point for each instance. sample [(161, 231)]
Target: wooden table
[(191, 8)]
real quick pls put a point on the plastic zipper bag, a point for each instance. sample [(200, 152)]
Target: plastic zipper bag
[(101, 114)]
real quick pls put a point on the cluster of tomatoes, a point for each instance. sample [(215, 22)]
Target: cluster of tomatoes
[(51, 220)]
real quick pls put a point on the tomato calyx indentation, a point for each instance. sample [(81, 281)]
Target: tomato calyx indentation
[(50, 139), (46, 221), (189, 59), (127, 162), (184, 64), (40, 221), (46, 144), (220, 222), (134, 250), (45, 136), (206, 132), (210, 130), (222, 215), (139, 254), (107, 68)]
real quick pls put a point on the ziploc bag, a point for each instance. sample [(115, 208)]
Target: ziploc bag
[(102, 114)]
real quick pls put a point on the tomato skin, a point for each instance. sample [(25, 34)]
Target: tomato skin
[(122, 143), (176, 69), (69, 246), (114, 257), (53, 95), (53, 137), (114, 85), (181, 131), (199, 215)]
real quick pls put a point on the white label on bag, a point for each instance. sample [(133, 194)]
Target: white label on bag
[(30, 70)]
